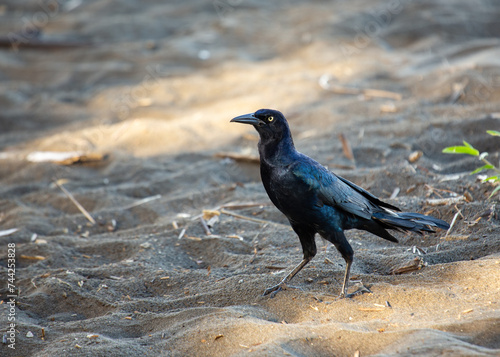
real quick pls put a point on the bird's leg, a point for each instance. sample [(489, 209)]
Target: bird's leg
[(343, 294), (273, 290), (339, 240), (345, 285), (306, 236)]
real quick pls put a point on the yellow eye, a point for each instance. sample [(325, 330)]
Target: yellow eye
[(270, 119)]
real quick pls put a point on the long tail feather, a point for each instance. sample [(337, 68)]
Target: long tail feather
[(408, 221)]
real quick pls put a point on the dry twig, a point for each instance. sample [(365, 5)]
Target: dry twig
[(395, 193), (76, 203), (142, 201), (245, 205), (205, 227), (452, 223), (346, 147), (240, 216), (415, 264), (31, 257), (445, 201)]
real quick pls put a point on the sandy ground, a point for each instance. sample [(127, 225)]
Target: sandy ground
[(153, 85)]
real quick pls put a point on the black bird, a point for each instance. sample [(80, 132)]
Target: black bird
[(315, 200)]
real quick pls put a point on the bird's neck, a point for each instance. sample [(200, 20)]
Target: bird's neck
[(277, 151)]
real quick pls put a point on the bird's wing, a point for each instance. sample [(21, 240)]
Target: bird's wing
[(367, 194), (335, 191)]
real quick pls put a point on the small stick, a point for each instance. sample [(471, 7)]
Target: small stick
[(395, 193), (205, 227), (382, 94), (236, 215), (415, 264), (76, 203), (452, 223), (198, 239), (433, 189), (244, 205), (182, 233), (346, 147), (63, 282), (254, 255), (32, 257), (142, 201), (445, 201)]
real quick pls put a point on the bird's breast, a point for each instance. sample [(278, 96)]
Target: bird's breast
[(289, 194)]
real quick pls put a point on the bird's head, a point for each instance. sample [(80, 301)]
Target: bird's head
[(270, 124)]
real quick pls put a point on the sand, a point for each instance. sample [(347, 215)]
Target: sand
[(147, 88)]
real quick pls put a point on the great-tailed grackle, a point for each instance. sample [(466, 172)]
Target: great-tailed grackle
[(315, 200)]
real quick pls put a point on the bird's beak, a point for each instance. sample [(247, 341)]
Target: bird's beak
[(247, 119)]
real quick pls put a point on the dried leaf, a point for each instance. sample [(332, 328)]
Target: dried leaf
[(414, 156), (207, 214)]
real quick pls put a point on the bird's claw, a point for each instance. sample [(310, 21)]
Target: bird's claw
[(348, 296), (273, 290), (362, 289)]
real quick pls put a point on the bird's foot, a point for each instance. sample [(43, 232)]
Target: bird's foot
[(273, 290), (348, 296), (361, 290)]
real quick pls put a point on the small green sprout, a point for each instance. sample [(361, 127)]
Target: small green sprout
[(468, 149)]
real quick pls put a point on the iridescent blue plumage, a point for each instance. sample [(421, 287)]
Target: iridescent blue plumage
[(315, 200)]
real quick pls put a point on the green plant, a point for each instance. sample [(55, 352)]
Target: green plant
[(470, 150)]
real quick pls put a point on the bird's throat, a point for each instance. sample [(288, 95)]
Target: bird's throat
[(277, 152)]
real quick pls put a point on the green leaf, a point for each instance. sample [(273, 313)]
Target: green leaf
[(468, 145), (469, 150), (494, 191), (493, 132), (492, 178), (485, 167)]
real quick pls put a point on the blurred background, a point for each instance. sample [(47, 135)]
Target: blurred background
[(154, 77)]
